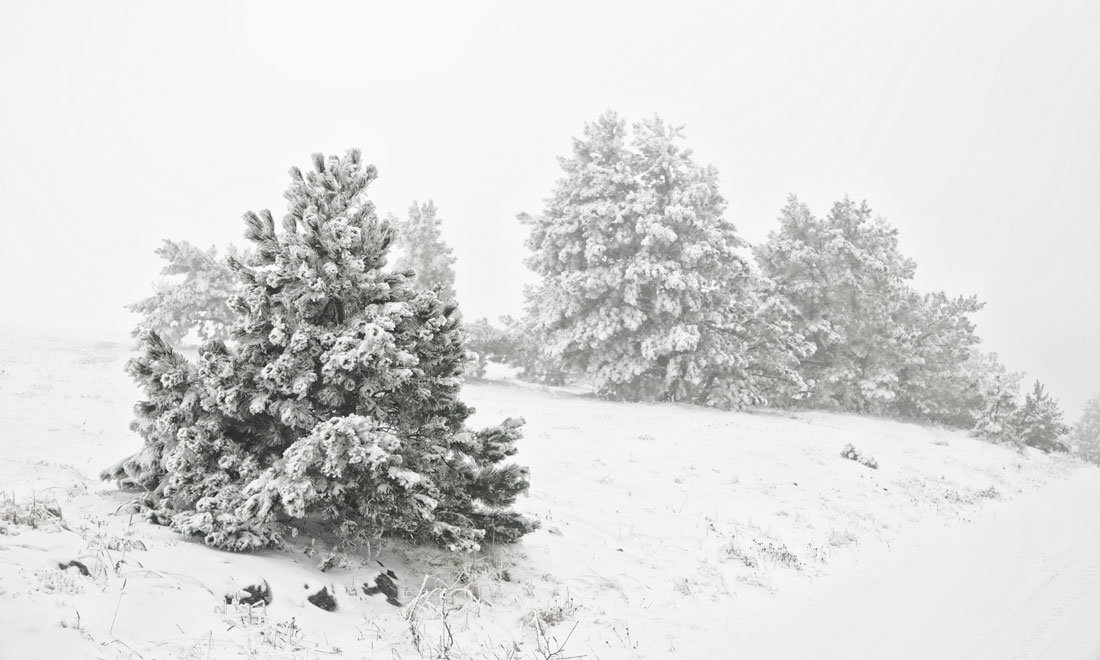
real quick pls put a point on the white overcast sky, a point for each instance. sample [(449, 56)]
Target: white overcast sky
[(973, 127)]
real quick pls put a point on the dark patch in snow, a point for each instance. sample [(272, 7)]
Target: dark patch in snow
[(323, 599), (384, 584), (75, 564)]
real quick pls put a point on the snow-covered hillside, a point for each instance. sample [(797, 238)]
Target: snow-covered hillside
[(667, 531)]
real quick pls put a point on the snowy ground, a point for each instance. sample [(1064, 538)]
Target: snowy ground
[(668, 531)]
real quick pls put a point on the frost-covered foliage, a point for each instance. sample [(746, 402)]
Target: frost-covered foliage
[(878, 345), (1038, 423), (420, 248), (486, 342), (1085, 436), (338, 398), (196, 302), (646, 291), (34, 513)]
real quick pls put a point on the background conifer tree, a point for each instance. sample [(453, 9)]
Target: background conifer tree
[(421, 249), (940, 370), (1085, 436), (339, 397), (193, 297), (878, 345), (646, 292), (501, 343), (1038, 423)]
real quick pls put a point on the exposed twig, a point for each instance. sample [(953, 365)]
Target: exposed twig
[(117, 605)]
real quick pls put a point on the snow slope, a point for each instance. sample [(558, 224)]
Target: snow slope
[(1019, 583), (668, 531)]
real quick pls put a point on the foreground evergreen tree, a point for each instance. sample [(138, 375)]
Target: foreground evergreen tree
[(421, 249), (1085, 436), (645, 291), (1039, 422), (878, 345), (338, 399), (196, 303)]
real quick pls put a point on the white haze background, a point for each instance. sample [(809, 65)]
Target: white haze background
[(971, 126)]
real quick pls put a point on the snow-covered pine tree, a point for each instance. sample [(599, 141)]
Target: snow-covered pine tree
[(645, 292), (339, 397), (878, 345), (421, 249), (847, 280), (1038, 423), (1085, 436), (196, 302), (997, 400), (937, 376)]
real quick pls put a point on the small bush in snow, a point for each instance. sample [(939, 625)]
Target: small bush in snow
[(338, 398), (59, 581), (841, 538), (778, 553), (734, 551), (561, 608), (852, 454), (253, 594), (34, 514), (990, 493)]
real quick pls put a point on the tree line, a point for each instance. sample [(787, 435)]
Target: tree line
[(647, 292)]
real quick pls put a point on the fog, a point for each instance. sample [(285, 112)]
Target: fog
[(972, 128)]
